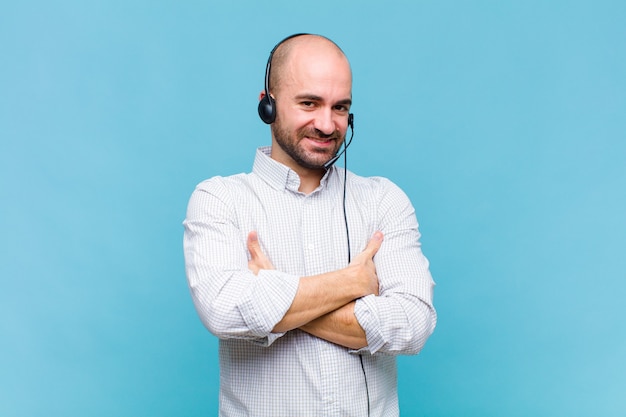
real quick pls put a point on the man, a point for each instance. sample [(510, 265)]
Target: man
[(312, 288)]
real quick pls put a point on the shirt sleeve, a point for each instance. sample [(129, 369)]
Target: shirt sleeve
[(402, 317), (231, 301)]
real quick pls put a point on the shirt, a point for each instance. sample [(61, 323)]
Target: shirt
[(294, 373)]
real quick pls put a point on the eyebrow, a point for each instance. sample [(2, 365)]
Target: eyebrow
[(313, 97)]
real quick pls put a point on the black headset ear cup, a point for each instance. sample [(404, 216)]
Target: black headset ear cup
[(267, 109)]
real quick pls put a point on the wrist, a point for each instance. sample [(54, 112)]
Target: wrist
[(356, 279)]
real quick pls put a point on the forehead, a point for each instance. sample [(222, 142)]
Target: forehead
[(319, 68)]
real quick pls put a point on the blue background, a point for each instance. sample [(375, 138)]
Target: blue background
[(505, 122)]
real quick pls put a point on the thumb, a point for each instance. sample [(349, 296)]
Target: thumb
[(253, 244), (374, 244)]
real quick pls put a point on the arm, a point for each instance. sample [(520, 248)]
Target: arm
[(401, 319), (340, 327), (235, 300), (231, 301), (325, 293)]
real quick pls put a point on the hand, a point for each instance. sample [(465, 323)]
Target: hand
[(364, 264), (258, 260)]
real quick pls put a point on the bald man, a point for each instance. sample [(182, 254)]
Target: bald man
[(312, 277)]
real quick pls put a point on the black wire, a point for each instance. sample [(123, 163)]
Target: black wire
[(345, 181), (345, 218), (367, 391), (345, 215)]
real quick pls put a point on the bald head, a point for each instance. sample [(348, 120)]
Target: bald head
[(296, 49)]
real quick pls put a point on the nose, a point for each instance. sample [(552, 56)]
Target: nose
[(324, 122)]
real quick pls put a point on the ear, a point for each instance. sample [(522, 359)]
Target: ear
[(262, 94), (267, 110)]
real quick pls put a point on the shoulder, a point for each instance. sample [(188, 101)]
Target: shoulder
[(219, 180), (220, 185), (217, 190), (377, 187)]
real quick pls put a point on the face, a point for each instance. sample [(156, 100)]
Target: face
[(312, 104)]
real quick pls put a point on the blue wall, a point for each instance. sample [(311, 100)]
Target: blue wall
[(503, 121)]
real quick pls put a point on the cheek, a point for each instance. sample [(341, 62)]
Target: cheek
[(342, 127), (294, 124)]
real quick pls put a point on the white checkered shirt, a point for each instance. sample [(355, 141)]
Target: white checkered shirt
[(294, 373)]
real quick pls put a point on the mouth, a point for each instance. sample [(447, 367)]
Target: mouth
[(320, 142)]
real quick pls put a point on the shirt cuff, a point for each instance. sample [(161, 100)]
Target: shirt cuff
[(266, 301), (366, 314)]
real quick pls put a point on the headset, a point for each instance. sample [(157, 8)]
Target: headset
[(267, 105)]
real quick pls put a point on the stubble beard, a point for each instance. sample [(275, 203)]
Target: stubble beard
[(307, 159)]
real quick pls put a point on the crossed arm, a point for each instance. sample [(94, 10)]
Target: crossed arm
[(324, 304)]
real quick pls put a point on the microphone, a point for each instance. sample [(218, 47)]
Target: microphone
[(345, 145)]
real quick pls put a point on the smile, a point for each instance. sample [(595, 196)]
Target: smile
[(320, 141)]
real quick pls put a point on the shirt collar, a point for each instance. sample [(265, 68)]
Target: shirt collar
[(280, 176)]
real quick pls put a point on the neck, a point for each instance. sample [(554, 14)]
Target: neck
[(309, 179)]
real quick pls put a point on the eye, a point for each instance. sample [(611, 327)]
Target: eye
[(307, 104), (342, 108)]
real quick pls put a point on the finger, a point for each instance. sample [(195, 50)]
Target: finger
[(258, 259), (253, 245), (374, 244)]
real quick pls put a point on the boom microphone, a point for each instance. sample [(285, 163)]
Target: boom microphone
[(345, 146)]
